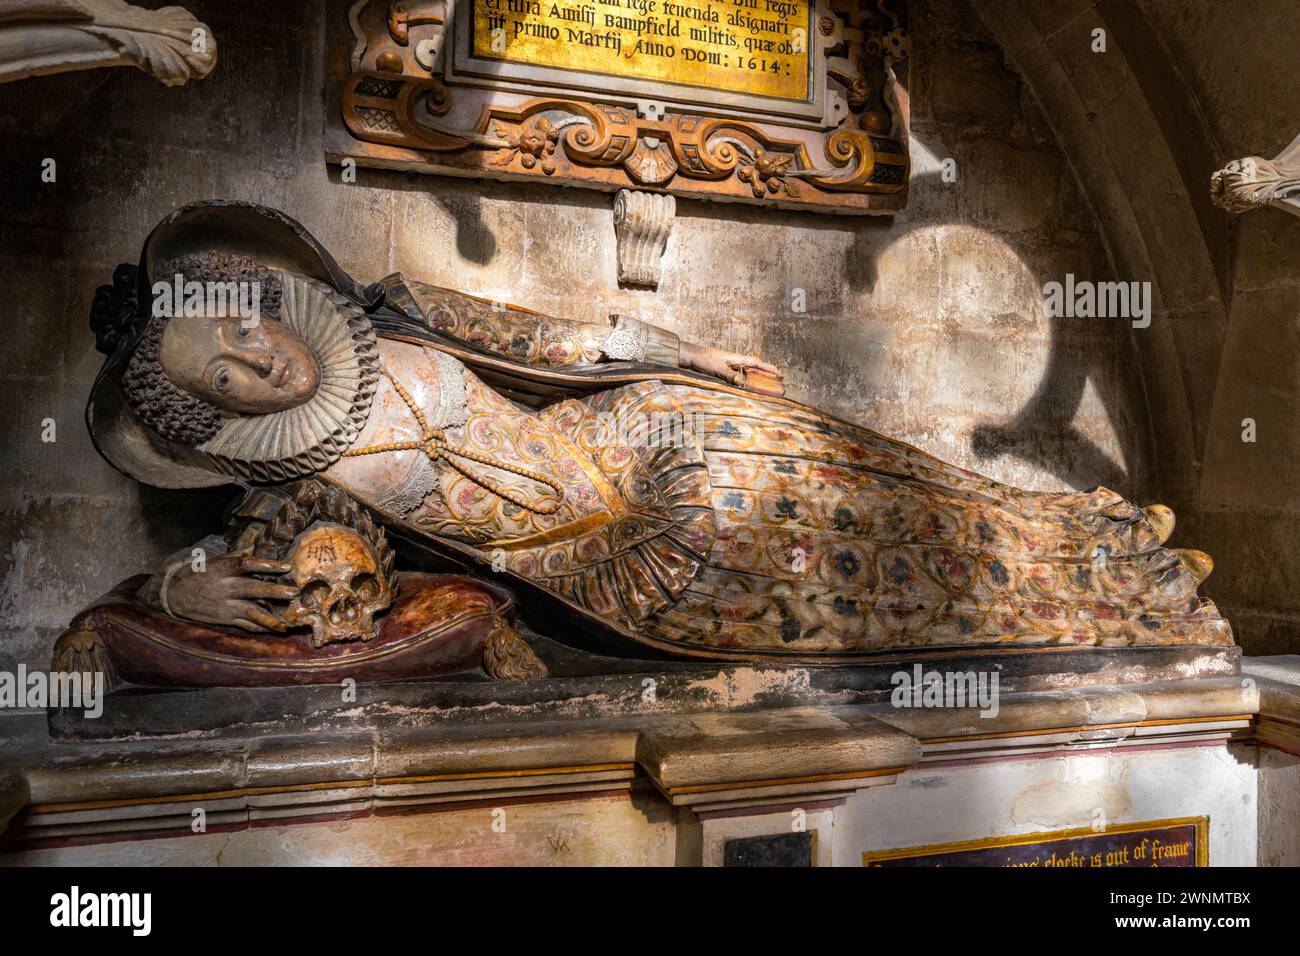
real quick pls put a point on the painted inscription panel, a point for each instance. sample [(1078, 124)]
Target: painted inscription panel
[(1176, 843), (758, 47), (792, 104)]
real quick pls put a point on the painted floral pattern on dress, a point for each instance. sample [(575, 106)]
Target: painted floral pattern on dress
[(770, 528), (509, 330), (833, 539)]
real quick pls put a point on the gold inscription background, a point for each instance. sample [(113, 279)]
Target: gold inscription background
[(758, 47)]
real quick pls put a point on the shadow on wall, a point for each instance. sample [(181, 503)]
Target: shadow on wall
[(1042, 431), (475, 241), (469, 203)]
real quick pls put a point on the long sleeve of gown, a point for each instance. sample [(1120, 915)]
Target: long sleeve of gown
[(529, 336)]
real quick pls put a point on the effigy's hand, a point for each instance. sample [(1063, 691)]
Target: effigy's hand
[(225, 593), (745, 371)]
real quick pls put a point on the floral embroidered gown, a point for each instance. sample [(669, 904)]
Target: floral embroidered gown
[(704, 518)]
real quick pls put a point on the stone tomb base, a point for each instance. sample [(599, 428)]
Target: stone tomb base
[(1173, 756)]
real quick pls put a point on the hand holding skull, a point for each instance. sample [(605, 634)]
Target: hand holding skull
[(320, 554), (225, 592)]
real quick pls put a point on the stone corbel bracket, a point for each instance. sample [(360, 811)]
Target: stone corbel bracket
[(38, 37), (1255, 182), (642, 223)]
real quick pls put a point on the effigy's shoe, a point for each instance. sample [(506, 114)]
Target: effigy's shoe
[(1161, 518), (1198, 563)]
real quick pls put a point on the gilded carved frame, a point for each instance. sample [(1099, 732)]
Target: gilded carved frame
[(398, 97)]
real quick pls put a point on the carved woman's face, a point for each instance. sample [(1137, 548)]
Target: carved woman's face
[(251, 368)]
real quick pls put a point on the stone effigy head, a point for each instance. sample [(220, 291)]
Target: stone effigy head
[(237, 363), (237, 349), (216, 351)]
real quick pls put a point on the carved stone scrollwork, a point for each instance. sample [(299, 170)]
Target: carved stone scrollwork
[(1254, 182), (642, 223), (38, 37)]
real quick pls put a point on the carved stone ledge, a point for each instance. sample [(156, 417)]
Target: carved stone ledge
[(719, 768), (752, 760), (38, 38), (1255, 182), (642, 222)]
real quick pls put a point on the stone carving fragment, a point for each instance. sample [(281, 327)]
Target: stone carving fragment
[(1254, 182), (38, 37)]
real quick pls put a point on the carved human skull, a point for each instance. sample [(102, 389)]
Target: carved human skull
[(340, 585)]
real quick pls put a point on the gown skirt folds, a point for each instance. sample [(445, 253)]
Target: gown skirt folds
[(796, 532)]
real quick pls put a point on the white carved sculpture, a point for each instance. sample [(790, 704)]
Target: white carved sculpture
[(642, 223), (1254, 182), (54, 36)]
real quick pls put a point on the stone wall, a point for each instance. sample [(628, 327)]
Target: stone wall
[(928, 327), (1245, 82)]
